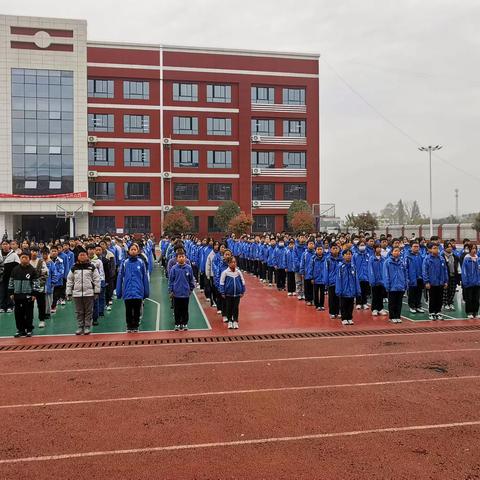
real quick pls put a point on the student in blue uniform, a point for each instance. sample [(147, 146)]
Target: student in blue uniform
[(232, 288), (471, 280), (395, 281), (280, 264), (347, 287), (317, 273), (290, 258), (414, 265), (435, 277), (305, 272), (375, 277), (332, 265), (360, 260)]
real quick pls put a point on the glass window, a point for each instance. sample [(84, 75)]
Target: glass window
[(263, 127), (263, 95), (294, 191), (101, 157), (98, 88), (294, 96), (101, 190), (185, 125), (263, 159), (185, 92), (219, 159), (294, 128), (136, 123), (137, 225), (219, 93), (263, 223), (100, 122), (195, 227), (263, 191), (136, 157), (212, 226), (219, 191), (137, 191), (185, 158), (136, 90), (185, 191), (294, 159), (101, 225), (219, 126)]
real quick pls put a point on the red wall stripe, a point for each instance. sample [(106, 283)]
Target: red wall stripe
[(33, 30), (31, 46)]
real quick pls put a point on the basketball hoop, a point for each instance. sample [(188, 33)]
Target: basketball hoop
[(65, 213)]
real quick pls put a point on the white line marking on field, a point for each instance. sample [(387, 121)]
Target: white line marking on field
[(253, 441), (157, 320), (411, 319), (235, 392), (234, 362), (209, 327)]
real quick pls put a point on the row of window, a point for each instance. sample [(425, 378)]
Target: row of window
[(188, 92), (132, 190)]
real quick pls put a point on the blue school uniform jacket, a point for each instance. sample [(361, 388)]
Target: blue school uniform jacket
[(232, 283), (394, 275), (290, 257), (60, 269), (305, 262), (347, 284), (180, 281), (470, 272), (375, 270), (132, 281), (280, 257), (270, 256), (414, 266), (435, 270), (332, 264), (299, 251), (360, 260), (317, 271)]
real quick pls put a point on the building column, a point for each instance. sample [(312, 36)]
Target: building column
[(81, 225), (6, 224)]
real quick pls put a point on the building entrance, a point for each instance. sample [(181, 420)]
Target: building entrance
[(44, 227)]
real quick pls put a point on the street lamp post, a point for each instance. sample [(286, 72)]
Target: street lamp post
[(430, 149)]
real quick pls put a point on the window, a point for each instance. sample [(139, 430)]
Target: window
[(185, 125), (100, 88), (101, 225), (195, 227), (100, 122), (185, 92), (294, 159), (294, 128), (219, 93), (136, 123), (136, 90), (101, 190), (294, 96), (219, 191), (137, 225), (294, 191), (219, 126), (263, 95), (185, 191), (212, 226), (264, 223), (219, 159), (263, 159), (101, 157), (263, 127), (185, 158), (136, 157), (137, 191), (263, 191)]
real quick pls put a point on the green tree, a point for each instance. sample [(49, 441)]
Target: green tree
[(400, 213), (225, 212), (363, 221), (176, 223), (297, 206), (303, 221), (476, 223), (240, 224), (388, 213), (187, 212), (415, 215)]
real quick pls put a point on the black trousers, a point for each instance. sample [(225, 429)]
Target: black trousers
[(231, 308), (195, 271), (333, 301), (449, 292), (24, 314), (281, 275), (180, 310), (319, 295), (346, 308), (256, 267), (202, 280), (263, 271), (291, 286), (41, 305), (270, 271), (109, 288), (395, 300), (415, 295), (436, 299), (308, 290), (378, 293), (5, 300), (471, 295), (133, 307), (364, 293), (57, 295)]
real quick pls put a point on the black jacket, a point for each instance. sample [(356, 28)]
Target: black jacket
[(23, 282)]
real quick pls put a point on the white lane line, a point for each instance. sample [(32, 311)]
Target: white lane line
[(226, 342), (236, 392), (209, 327), (157, 320), (253, 441), (239, 362)]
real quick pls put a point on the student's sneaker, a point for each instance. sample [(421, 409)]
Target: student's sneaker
[(332, 316), (230, 325), (177, 328), (135, 330), (300, 297), (358, 307), (180, 327), (477, 316), (28, 334), (420, 310), (41, 324), (470, 316), (432, 317), (318, 308), (365, 307), (9, 310), (225, 319), (269, 284), (2, 310), (95, 323), (185, 328), (62, 302), (452, 307), (53, 311), (393, 320), (350, 322), (308, 303), (345, 322), (375, 313), (109, 307), (87, 331), (110, 303), (80, 331), (383, 312), (399, 320), (289, 294), (19, 334), (235, 325), (413, 310), (219, 312)]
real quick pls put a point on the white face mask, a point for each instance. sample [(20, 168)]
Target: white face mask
[(362, 248), (356, 242), (281, 244)]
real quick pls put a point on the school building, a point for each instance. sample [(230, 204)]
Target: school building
[(102, 136)]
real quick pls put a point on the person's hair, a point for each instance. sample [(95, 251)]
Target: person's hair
[(34, 249), (180, 251), (45, 250), (232, 259), (431, 245), (25, 254), (54, 247), (346, 251), (414, 242), (91, 246)]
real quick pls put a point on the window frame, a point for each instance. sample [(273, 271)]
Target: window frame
[(257, 153), (214, 192), (213, 126), (178, 161), (255, 89), (139, 196), (194, 190), (255, 191), (177, 95), (177, 130), (301, 163), (211, 159), (144, 123), (212, 98), (289, 101), (294, 197), (128, 156), (92, 88), (129, 95)]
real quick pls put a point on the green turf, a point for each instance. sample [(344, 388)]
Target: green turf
[(157, 315), (457, 314)]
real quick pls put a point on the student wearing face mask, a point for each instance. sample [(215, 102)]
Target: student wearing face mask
[(317, 273), (304, 263), (375, 276), (290, 259), (332, 264), (453, 267), (395, 281), (280, 264), (414, 265), (360, 261), (435, 278), (271, 261), (471, 281), (347, 287)]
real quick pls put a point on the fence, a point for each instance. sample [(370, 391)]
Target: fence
[(446, 231)]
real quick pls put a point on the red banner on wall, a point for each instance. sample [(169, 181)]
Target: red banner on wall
[(57, 195)]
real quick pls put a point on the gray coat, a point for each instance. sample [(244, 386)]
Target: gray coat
[(83, 281)]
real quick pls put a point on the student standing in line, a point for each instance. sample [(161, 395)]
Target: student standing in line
[(291, 287), (133, 286), (332, 265), (9, 260), (453, 266), (317, 273), (435, 277), (414, 266), (471, 281), (58, 284), (42, 274), (300, 248), (304, 263), (375, 276), (347, 287), (232, 288), (280, 264), (51, 278), (181, 284), (271, 261), (360, 260), (395, 281)]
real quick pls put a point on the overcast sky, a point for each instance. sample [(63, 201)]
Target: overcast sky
[(415, 62)]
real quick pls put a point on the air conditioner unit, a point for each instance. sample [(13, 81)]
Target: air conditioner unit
[(256, 203), (167, 208), (256, 171), (167, 174), (255, 138), (92, 139), (92, 174), (167, 141)]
